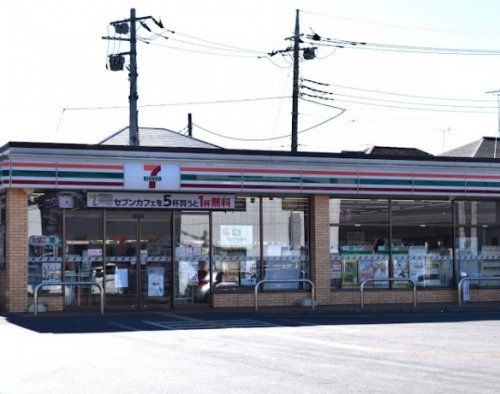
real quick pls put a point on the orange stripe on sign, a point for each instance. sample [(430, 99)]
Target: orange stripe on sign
[(70, 165), (150, 167)]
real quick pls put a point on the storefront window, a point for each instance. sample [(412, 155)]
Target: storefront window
[(359, 242), (236, 245), (84, 253), (477, 240), (3, 231), (192, 240), (422, 242), (45, 220), (285, 240)]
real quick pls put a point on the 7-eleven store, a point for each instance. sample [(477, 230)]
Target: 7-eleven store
[(172, 227)]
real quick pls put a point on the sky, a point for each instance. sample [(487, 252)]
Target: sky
[(55, 65)]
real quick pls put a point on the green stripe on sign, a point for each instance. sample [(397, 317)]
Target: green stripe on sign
[(439, 183), (391, 182), (99, 175), (66, 174), (342, 181), (483, 184), (233, 178), (41, 174), (5, 173)]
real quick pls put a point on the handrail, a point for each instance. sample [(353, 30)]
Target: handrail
[(462, 281), (67, 283), (362, 288), (313, 292)]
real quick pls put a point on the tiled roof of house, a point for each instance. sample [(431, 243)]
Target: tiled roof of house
[(487, 147), (154, 136)]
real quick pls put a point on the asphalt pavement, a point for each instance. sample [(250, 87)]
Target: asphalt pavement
[(271, 351)]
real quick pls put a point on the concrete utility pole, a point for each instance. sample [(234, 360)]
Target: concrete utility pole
[(295, 91), (117, 60), (496, 93), (133, 97)]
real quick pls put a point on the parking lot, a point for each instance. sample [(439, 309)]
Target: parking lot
[(283, 351)]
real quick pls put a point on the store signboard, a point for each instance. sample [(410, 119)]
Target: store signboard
[(236, 235), (160, 200), (44, 240), (151, 176)]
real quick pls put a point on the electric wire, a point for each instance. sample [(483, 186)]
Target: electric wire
[(200, 52), (394, 93), (281, 102), (342, 110), (207, 102), (330, 42), (412, 102), (400, 26), (413, 108)]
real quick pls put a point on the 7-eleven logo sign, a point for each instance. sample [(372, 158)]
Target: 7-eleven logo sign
[(152, 171)]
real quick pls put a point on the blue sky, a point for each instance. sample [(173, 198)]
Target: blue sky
[(56, 59)]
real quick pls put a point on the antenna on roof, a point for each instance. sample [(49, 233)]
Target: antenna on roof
[(496, 93)]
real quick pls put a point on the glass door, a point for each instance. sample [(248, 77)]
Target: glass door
[(155, 252), (192, 275), (121, 279)]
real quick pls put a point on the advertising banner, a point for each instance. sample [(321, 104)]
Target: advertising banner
[(349, 273), (160, 200), (365, 271), (155, 281), (381, 271)]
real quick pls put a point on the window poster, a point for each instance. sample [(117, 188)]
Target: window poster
[(381, 271), (335, 272), (366, 271), (156, 281), (231, 271), (401, 270), (349, 273), (188, 275), (51, 272), (121, 278), (417, 271), (249, 272), (335, 269)]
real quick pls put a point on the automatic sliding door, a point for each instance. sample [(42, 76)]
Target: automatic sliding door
[(155, 229), (192, 262), (121, 259)]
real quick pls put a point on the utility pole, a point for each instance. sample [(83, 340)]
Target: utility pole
[(295, 90), (308, 53), (117, 61), (133, 97), (496, 93), (190, 125)]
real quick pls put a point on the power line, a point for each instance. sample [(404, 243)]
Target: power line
[(338, 43), (201, 52), (411, 102), (401, 94), (401, 26), (342, 110), (208, 102), (412, 108)]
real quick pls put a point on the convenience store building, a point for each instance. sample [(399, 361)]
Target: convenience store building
[(170, 227)]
